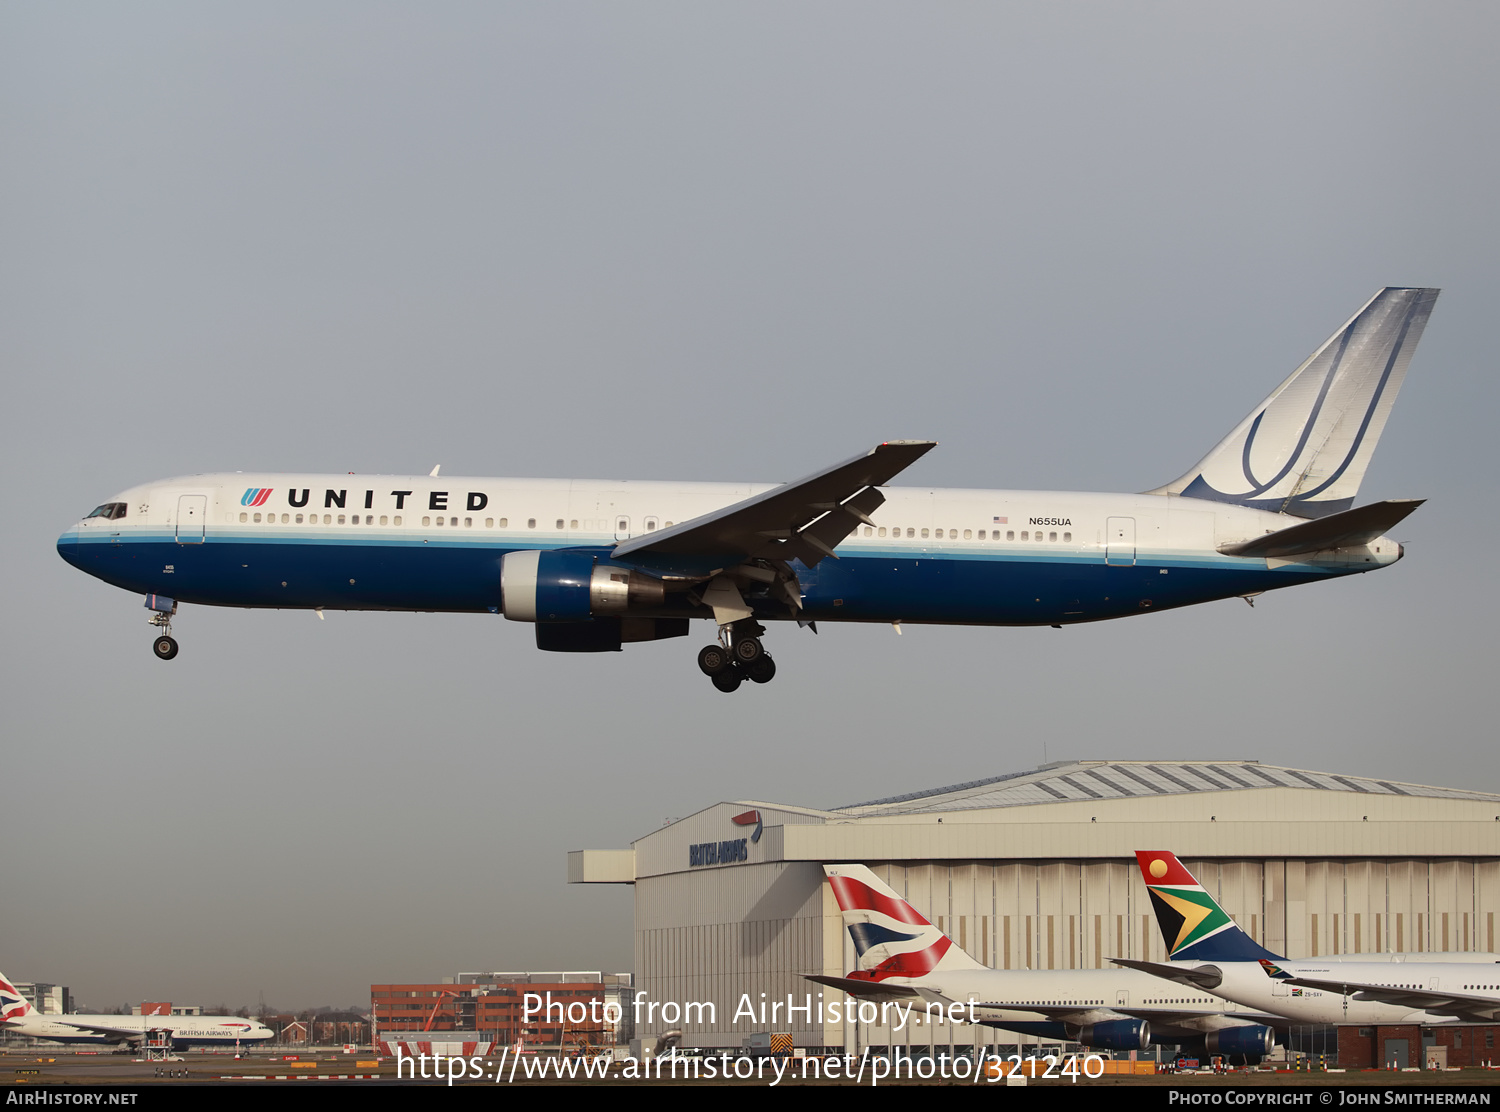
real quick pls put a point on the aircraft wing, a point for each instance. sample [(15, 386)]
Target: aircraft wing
[(803, 520), (1349, 529), (119, 1033), (1474, 1007)]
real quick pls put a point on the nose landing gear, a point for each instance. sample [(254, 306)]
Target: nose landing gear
[(162, 609), (738, 657)]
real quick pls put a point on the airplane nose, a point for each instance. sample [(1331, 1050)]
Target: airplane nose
[(67, 546)]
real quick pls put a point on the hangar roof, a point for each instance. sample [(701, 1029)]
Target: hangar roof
[(1081, 781)]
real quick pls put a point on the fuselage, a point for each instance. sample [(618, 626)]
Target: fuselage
[(187, 1030), (952, 556), (1246, 983), (1007, 998)]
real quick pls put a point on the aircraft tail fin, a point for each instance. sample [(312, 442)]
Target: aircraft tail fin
[(1193, 925), (12, 1004), (1304, 450), (890, 936)]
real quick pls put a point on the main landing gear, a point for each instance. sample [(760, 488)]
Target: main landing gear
[(738, 657)]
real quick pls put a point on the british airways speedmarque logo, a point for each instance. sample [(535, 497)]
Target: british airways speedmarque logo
[(749, 818), (256, 496)]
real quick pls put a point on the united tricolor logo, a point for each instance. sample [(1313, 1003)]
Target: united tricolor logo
[(256, 496)]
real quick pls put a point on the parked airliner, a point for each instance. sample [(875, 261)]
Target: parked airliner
[(18, 1017), (598, 564), (1209, 952), (903, 957)]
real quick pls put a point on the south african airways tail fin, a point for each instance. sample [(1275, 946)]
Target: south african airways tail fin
[(1304, 450), (890, 936), (1193, 925)]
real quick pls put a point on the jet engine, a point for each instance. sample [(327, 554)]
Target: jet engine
[(1116, 1034), (580, 605)]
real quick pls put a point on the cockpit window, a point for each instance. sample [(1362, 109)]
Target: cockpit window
[(110, 511)]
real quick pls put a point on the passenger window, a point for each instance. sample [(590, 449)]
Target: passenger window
[(924, 534), (531, 523), (468, 522), (669, 525), (299, 519), (967, 534), (1067, 536), (427, 521), (396, 520), (650, 524), (285, 519), (341, 519), (623, 525), (1038, 534), (559, 523), (981, 535), (383, 519), (504, 522), (257, 519), (912, 532), (1025, 535), (489, 523), (327, 519), (244, 517), (953, 534), (573, 523), (1052, 536), (882, 530)]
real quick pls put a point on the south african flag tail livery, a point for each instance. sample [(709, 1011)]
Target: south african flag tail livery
[(1193, 925)]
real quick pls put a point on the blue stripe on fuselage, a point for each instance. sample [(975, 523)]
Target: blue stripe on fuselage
[(460, 573)]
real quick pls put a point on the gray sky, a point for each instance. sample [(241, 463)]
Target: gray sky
[(1074, 243)]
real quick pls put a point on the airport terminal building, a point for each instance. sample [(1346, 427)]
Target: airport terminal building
[(1037, 870)]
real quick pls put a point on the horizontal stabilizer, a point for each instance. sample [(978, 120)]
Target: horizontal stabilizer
[(1349, 529), (866, 990), (1205, 977)]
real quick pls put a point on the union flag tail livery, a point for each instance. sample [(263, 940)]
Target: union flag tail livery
[(891, 938), (1193, 925), (12, 1004)]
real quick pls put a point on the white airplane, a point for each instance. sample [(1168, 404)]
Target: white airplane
[(597, 564), (1208, 952), (18, 1017), (903, 959)]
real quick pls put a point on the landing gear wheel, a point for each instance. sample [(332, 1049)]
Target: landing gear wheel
[(164, 647), (763, 670), (728, 680), (747, 650), (713, 660)]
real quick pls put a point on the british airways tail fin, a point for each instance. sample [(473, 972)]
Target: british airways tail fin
[(12, 1004), (1304, 450), (1193, 925), (891, 938)]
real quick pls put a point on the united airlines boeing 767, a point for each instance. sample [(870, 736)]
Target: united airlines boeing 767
[(597, 564)]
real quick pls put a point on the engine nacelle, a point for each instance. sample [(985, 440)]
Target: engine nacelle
[(1251, 1040), (538, 586), (1116, 1034)]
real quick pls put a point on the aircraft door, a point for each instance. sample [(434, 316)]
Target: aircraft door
[(192, 516), (1119, 541), (616, 516), (1122, 999)]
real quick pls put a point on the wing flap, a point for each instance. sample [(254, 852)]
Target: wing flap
[(1349, 529)]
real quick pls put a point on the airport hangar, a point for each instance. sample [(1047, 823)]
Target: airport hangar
[(1037, 870)]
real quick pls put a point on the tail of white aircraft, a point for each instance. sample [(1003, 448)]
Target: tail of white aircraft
[(891, 938), (1304, 450), (1193, 925), (12, 1004)]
